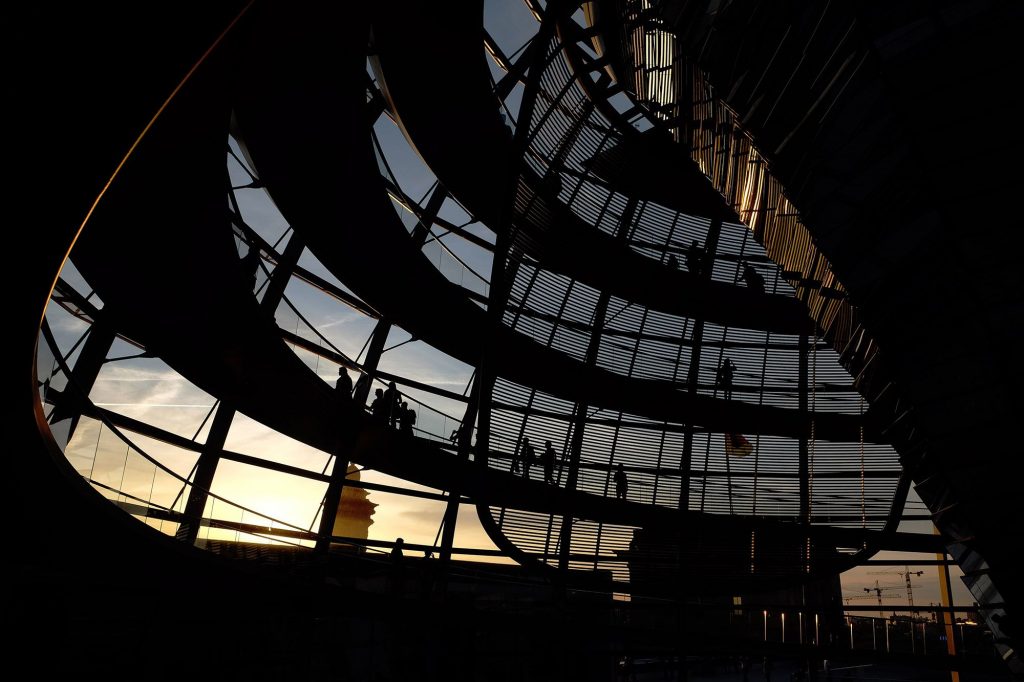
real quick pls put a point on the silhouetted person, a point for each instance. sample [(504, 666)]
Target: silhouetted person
[(343, 387), (523, 456), (672, 262), (694, 258), (547, 458), (621, 482), (517, 455), (379, 407), (428, 574), (553, 183), (406, 418), (725, 375), (1009, 627), (393, 402), (766, 668), (529, 455), (754, 280), (628, 669), (398, 567), (360, 383), (251, 265), (508, 126)]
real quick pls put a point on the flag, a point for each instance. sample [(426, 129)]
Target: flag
[(737, 446)]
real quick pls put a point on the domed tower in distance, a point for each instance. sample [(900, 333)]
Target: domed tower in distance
[(353, 516)]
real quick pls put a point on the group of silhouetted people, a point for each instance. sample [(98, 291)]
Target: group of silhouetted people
[(425, 570), (695, 263), (525, 455), (389, 409), (694, 259)]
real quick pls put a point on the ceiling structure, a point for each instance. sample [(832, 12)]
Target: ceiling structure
[(587, 164)]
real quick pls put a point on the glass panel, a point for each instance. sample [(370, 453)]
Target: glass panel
[(249, 437)]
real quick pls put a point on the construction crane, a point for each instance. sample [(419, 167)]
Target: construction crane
[(906, 573), (856, 596), (878, 589)]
